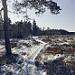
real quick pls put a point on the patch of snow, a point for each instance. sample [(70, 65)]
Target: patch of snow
[(51, 58), (27, 61)]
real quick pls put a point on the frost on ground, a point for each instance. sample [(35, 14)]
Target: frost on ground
[(58, 58), (52, 55), (27, 51)]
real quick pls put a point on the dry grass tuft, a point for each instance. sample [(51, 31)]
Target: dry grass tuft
[(13, 45), (23, 53), (35, 42), (27, 45), (47, 40), (69, 49)]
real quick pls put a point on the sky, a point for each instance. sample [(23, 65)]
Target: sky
[(64, 20)]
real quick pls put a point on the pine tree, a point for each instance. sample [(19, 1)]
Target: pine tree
[(39, 5)]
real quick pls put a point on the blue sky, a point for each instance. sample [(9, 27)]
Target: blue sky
[(64, 20)]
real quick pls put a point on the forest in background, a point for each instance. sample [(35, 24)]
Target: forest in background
[(24, 29)]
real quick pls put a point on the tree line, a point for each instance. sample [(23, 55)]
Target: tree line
[(22, 29), (40, 6)]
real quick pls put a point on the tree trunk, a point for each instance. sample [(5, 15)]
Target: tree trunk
[(6, 30)]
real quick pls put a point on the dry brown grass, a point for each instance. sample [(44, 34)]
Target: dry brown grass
[(72, 65), (3, 59), (64, 40), (70, 49), (19, 45), (46, 40), (23, 53), (7, 60), (38, 58), (70, 61), (52, 51), (13, 45), (27, 45), (35, 42)]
